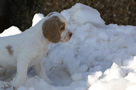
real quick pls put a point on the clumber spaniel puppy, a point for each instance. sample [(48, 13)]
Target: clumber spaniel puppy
[(28, 48)]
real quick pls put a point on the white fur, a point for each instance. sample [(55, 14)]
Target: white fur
[(28, 49)]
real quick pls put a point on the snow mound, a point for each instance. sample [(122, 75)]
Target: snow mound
[(37, 17), (13, 30), (82, 14)]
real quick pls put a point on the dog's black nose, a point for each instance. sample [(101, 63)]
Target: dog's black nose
[(70, 34)]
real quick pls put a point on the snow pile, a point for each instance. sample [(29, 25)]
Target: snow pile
[(37, 17), (98, 56), (10, 31), (82, 14)]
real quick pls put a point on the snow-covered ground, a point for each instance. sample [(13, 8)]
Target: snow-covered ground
[(98, 56)]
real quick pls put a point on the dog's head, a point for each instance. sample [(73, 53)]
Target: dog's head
[(55, 28)]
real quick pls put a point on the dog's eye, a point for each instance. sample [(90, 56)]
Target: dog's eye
[(62, 27)]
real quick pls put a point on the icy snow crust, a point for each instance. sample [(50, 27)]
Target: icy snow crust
[(98, 56)]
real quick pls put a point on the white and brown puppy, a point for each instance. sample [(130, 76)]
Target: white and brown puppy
[(28, 48)]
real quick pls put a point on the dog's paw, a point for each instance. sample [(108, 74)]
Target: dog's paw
[(4, 85)]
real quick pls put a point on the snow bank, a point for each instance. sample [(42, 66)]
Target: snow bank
[(98, 56), (10, 31)]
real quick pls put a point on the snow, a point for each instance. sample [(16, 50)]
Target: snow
[(82, 14), (98, 56), (13, 30), (37, 17)]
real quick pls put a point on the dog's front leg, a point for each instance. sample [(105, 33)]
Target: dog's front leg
[(22, 67), (40, 71)]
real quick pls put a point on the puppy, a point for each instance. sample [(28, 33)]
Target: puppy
[(28, 48)]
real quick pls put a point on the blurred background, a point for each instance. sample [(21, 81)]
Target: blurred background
[(20, 12)]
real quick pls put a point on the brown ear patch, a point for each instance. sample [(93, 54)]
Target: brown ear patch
[(52, 29), (9, 49)]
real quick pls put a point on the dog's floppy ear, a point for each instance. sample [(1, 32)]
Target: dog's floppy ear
[(51, 29)]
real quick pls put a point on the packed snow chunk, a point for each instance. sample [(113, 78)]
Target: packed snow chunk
[(132, 63), (13, 30), (60, 76), (37, 17), (119, 84), (132, 87), (78, 84), (102, 37), (93, 78), (114, 72), (83, 68), (36, 83), (61, 88), (131, 77), (23, 88), (77, 76), (82, 14), (80, 88)]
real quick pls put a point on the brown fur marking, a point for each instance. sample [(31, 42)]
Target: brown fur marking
[(10, 51), (52, 29)]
